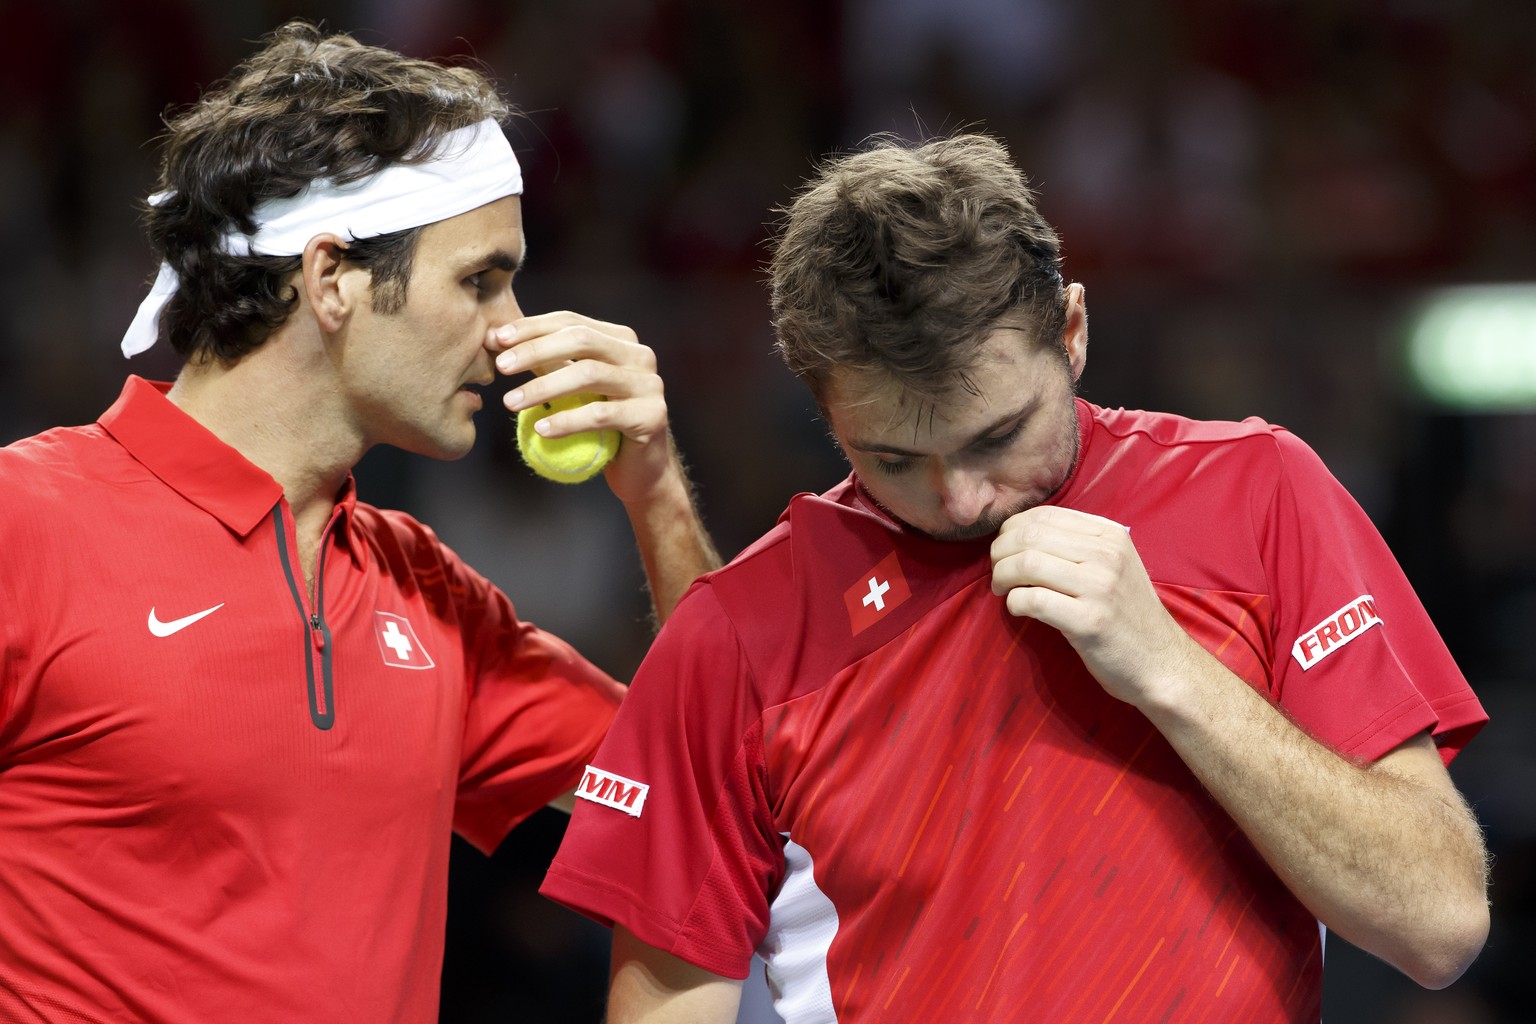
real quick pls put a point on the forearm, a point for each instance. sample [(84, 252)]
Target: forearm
[(1385, 855), (675, 548), (647, 986), (571, 354)]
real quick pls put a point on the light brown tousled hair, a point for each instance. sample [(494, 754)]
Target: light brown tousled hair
[(305, 106), (903, 258)]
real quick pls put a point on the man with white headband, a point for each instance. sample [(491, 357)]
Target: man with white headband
[(242, 711)]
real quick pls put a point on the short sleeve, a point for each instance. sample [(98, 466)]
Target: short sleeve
[(686, 861), (1357, 661), (536, 712)]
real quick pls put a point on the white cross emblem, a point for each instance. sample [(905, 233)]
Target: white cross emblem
[(397, 641), (876, 595)]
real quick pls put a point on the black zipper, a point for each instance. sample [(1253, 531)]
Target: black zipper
[(322, 708)]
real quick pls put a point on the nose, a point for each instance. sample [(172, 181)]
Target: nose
[(502, 312), (507, 308), (964, 492)]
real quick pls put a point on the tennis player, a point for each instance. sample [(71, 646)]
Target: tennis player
[(242, 711), (1049, 712)]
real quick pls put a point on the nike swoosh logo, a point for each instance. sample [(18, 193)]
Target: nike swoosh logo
[(177, 625)]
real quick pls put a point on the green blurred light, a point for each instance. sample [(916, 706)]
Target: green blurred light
[(1474, 347)]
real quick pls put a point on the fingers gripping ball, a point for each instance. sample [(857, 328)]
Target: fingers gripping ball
[(566, 460)]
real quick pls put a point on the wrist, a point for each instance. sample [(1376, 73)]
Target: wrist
[(1178, 687)]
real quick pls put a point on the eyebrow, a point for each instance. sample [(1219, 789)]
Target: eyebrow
[(981, 435), (497, 259), (503, 260)]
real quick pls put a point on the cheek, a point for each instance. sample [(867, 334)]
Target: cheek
[(904, 494), (1048, 458), (1022, 471)]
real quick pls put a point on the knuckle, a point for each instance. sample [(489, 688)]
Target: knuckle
[(530, 353), (1095, 622), (534, 391), (599, 415)]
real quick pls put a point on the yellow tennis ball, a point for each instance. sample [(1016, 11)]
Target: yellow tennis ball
[(566, 460)]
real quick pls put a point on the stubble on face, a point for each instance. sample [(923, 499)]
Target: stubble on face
[(1065, 456), (1031, 475), (428, 358)]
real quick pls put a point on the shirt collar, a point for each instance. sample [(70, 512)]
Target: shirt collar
[(188, 458)]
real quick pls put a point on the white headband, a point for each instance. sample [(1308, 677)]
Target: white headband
[(473, 166)]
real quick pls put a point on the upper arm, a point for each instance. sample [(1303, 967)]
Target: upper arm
[(675, 836), (1356, 659), (649, 986)]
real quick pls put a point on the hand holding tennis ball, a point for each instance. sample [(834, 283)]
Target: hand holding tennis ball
[(596, 384), (566, 460)]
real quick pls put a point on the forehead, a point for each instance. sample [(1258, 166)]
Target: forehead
[(492, 228), (1006, 372)]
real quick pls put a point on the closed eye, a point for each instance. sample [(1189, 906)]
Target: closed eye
[(998, 442), (894, 466)]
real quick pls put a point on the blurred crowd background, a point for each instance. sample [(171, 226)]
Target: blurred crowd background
[(1256, 193)]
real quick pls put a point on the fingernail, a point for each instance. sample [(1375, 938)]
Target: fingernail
[(514, 399)]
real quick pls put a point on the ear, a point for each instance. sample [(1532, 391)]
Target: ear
[(332, 285), (1075, 337)]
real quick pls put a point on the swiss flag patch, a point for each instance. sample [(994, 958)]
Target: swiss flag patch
[(878, 591), (398, 643)]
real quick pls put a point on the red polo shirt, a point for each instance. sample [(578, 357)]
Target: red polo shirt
[(843, 753), (223, 798)]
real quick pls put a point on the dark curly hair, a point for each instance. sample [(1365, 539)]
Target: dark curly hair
[(903, 258), (305, 106)]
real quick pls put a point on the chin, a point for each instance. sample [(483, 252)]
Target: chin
[(958, 534), (457, 451), (986, 526), (444, 449)]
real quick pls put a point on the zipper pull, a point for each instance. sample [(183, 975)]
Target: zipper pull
[(314, 629)]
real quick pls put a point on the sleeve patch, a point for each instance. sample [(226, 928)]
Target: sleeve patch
[(614, 791), (1335, 631)]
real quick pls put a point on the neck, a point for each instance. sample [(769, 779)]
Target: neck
[(280, 411)]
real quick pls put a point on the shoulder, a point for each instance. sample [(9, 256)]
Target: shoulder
[(394, 526), (1170, 431), (1200, 496), (1249, 454), (404, 546), (59, 488), (56, 469), (61, 449)]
